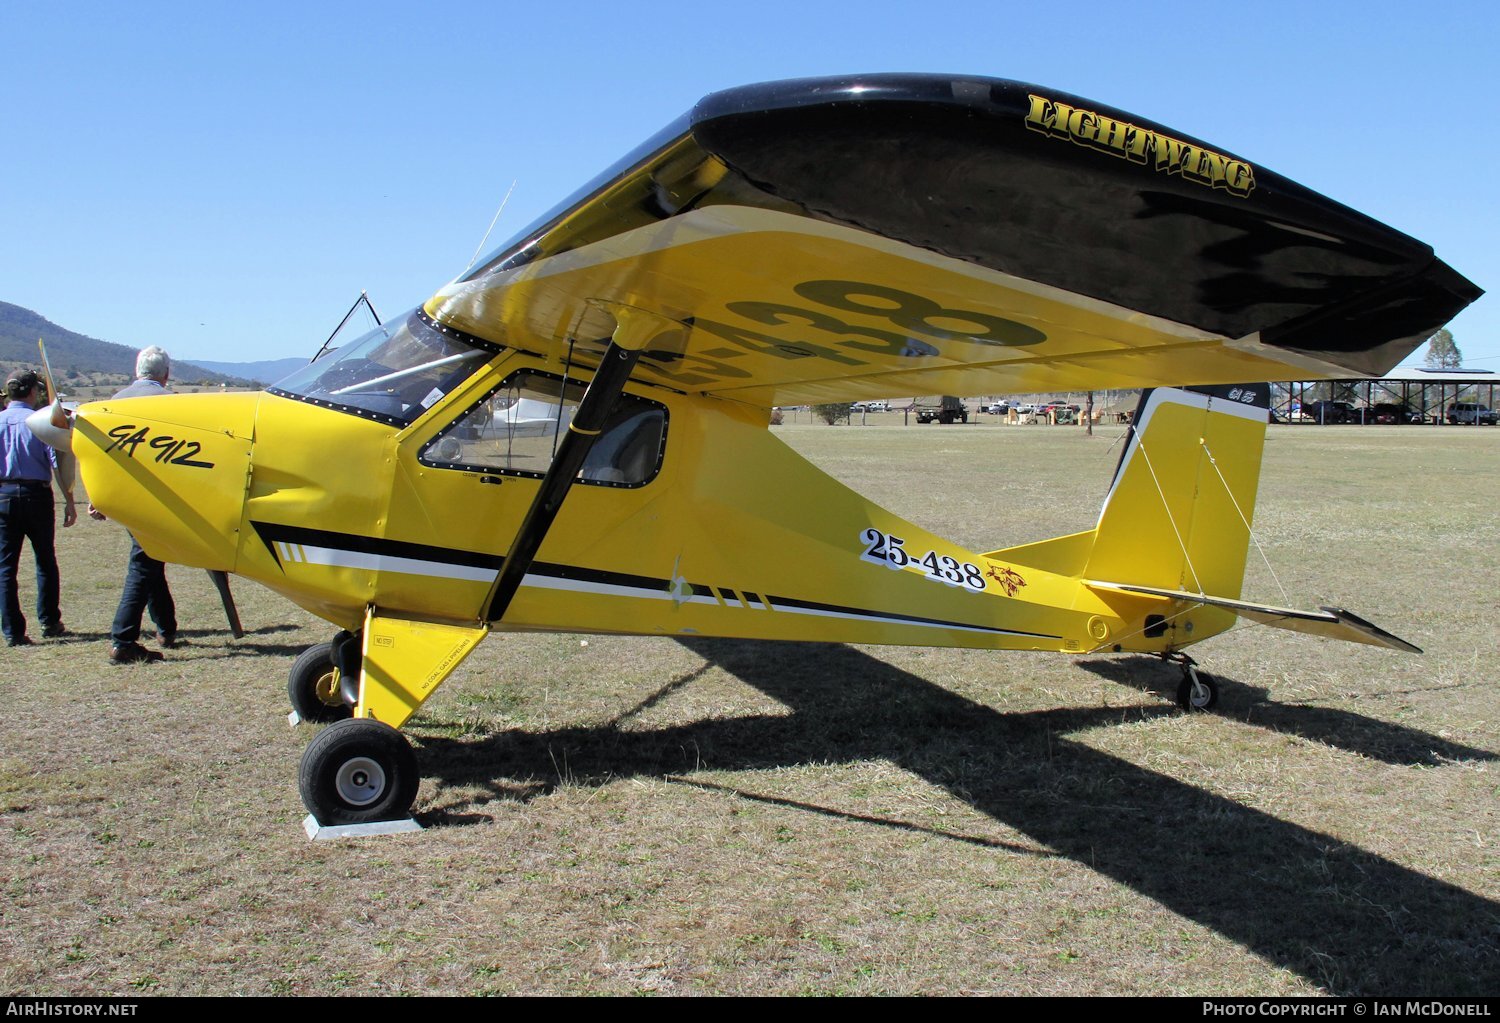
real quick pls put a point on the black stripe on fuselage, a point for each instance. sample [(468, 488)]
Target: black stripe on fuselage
[(784, 603), (271, 533)]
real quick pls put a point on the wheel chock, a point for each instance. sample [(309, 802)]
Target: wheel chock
[(322, 833)]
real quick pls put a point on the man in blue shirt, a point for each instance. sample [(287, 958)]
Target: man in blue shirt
[(27, 511)]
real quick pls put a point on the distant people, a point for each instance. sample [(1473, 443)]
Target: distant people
[(145, 577), (27, 511)]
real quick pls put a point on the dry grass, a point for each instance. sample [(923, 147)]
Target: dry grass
[(640, 815)]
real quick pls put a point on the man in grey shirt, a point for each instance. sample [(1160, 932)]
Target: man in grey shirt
[(145, 577)]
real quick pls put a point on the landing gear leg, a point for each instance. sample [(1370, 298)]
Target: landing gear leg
[(345, 653), (361, 770), (1198, 690)]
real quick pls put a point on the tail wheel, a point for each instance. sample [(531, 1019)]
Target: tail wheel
[(1197, 691), (358, 771), (313, 686)]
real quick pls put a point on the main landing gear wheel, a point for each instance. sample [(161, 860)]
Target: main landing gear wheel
[(313, 686), (1198, 689), (358, 771)]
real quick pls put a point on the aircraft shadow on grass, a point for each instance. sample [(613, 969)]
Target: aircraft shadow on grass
[(1369, 737), (1339, 916)]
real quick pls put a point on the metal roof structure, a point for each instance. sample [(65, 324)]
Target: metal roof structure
[(1425, 394), (1461, 375)]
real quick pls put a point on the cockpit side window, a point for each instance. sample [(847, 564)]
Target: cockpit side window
[(515, 429), (393, 374)]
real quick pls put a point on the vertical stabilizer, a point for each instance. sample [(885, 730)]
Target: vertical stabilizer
[(1178, 511)]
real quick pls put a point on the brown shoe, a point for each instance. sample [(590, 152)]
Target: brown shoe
[(133, 653), (170, 640)]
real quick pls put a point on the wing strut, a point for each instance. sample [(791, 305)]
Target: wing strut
[(634, 329)]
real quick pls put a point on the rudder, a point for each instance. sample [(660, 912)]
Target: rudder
[(1178, 512)]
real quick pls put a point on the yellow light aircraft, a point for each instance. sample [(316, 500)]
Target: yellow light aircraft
[(573, 434)]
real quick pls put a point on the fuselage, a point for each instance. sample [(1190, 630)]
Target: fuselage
[(712, 526)]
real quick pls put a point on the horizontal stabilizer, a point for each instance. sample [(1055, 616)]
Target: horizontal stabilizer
[(1332, 622)]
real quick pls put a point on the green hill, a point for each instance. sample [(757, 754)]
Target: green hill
[(79, 362)]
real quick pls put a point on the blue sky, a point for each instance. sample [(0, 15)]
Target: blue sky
[(224, 179)]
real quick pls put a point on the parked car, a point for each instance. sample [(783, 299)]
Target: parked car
[(1391, 412), (999, 408), (1467, 413), (1330, 412)]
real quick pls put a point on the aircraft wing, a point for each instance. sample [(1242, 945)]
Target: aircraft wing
[(1330, 622), (836, 239)]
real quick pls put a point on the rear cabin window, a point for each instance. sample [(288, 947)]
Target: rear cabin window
[(515, 430)]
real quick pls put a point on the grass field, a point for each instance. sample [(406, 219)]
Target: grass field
[(704, 817)]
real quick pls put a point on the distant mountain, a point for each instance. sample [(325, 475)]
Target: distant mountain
[(80, 356), (267, 372)]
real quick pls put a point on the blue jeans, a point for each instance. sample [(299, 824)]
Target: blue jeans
[(145, 590), (27, 513)]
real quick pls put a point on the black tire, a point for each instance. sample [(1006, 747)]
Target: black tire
[(1185, 698), (313, 686), (358, 771)]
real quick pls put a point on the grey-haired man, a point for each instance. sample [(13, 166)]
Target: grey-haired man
[(145, 577)]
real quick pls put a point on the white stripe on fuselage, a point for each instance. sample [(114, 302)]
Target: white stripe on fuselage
[(337, 558), (548, 582)]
